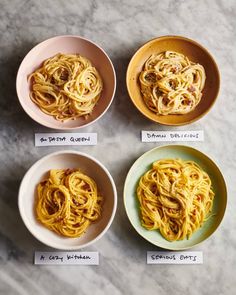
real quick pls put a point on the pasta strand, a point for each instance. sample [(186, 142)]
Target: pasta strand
[(67, 86), (171, 83), (175, 197), (68, 202)]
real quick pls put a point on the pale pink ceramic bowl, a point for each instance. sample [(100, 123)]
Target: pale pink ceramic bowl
[(66, 44)]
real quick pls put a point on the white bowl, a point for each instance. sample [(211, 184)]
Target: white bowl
[(63, 160)]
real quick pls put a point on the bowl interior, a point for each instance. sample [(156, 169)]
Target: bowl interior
[(38, 172), (65, 44), (195, 53), (144, 163)]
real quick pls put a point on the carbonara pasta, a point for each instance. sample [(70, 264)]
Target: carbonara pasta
[(67, 86), (68, 202), (171, 83), (175, 198)]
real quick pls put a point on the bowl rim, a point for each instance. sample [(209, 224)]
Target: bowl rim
[(190, 41), (174, 146), (21, 195), (49, 125)]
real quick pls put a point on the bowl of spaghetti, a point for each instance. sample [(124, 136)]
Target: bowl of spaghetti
[(67, 200), (66, 82), (175, 197), (173, 80)]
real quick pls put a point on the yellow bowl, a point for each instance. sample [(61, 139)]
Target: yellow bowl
[(196, 53)]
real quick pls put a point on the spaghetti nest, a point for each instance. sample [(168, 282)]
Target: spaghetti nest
[(68, 202), (175, 197), (171, 83), (67, 86)]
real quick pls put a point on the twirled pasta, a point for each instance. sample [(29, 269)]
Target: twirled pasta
[(67, 86), (175, 197), (68, 202), (171, 83)]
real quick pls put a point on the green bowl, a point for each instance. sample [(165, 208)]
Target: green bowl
[(144, 163)]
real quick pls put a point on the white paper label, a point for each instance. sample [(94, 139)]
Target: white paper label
[(157, 136), (164, 257), (63, 258), (52, 139)]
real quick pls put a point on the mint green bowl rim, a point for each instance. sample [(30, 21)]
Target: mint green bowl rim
[(202, 155)]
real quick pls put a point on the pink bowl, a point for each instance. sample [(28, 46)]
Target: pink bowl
[(66, 44)]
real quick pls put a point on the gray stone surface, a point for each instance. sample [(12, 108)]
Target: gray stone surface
[(120, 27)]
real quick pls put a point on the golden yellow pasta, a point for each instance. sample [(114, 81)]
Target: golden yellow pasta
[(171, 83), (67, 86), (175, 197), (68, 202)]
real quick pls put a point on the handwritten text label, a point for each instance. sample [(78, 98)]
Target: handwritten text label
[(52, 139), (82, 258), (156, 136), (164, 257)]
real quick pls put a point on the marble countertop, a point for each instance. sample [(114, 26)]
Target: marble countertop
[(119, 27)]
